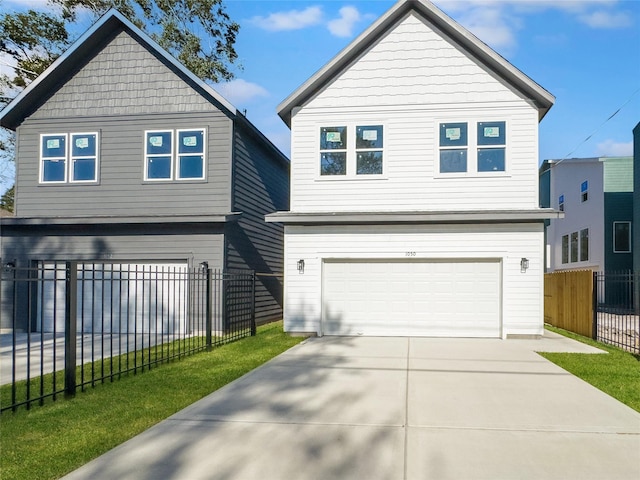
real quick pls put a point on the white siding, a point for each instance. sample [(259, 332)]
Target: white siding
[(521, 292), (409, 82)]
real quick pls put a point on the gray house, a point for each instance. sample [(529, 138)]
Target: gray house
[(125, 156)]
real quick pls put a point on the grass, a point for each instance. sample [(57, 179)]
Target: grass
[(50, 441), (617, 374)]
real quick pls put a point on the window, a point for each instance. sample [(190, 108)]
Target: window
[(574, 247), (453, 147), (75, 161), (166, 161), (491, 146), (584, 245), (584, 191), (464, 148), (333, 151), (621, 237), (565, 249), (345, 152), (369, 150), (561, 203)]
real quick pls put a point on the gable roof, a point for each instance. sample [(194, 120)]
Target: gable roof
[(77, 55), (448, 28)]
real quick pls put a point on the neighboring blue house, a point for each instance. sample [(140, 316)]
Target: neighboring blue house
[(124, 156)]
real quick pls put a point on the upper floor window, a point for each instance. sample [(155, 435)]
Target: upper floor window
[(621, 237), (584, 191), (69, 158), (561, 203), (182, 161), (472, 150), (345, 152)]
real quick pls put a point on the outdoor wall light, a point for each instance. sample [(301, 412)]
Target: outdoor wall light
[(300, 266), (524, 264), (204, 265), (9, 265)]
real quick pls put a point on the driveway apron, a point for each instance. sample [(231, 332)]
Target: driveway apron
[(393, 408)]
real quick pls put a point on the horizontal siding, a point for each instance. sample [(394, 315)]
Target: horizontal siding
[(260, 187), (411, 157), (123, 78), (121, 189), (521, 292)]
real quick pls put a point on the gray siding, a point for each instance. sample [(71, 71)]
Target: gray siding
[(121, 189), (133, 243), (260, 186)]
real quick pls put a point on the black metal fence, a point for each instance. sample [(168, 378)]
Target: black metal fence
[(74, 325), (616, 312)]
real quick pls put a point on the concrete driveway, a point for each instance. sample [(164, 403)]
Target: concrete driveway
[(393, 408)]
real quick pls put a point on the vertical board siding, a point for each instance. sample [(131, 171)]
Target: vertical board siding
[(568, 301), (409, 81), (521, 292), (121, 189), (260, 187)]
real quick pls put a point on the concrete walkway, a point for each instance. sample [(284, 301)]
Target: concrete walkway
[(393, 408)]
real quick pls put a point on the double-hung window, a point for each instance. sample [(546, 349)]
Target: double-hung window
[(71, 158), (333, 151), (351, 151), (178, 155), (369, 150), (584, 191), (467, 147)]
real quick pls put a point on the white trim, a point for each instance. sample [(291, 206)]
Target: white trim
[(204, 153), (96, 157), (146, 155), (65, 159)]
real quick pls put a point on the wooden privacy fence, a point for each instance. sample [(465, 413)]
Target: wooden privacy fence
[(568, 301)]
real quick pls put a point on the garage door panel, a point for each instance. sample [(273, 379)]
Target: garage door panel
[(427, 298)]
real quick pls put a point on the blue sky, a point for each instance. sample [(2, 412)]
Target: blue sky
[(585, 52)]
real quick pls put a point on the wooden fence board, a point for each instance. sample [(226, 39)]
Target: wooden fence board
[(568, 301)]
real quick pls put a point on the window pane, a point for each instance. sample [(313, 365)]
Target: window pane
[(453, 161), (574, 247), (84, 169), (491, 133), (191, 166), (54, 146), (191, 141), (53, 170), (333, 164), (333, 138), (453, 134), (622, 237), (584, 245), (83, 145), (369, 137), (158, 143), (159, 167), (491, 160), (369, 163), (565, 249)]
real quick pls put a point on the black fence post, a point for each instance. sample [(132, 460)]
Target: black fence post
[(209, 309), (594, 305), (253, 304), (70, 327)]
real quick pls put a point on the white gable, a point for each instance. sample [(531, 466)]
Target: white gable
[(413, 64)]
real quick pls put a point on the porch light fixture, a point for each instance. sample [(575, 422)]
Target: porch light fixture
[(204, 265), (300, 266), (524, 264), (9, 265)]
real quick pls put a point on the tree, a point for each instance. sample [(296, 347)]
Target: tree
[(6, 201), (199, 33)]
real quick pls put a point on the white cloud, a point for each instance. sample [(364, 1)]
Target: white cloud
[(343, 25), (240, 91), (291, 20), (604, 19), (492, 25), (610, 148)]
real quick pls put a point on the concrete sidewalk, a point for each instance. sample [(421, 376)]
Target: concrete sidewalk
[(393, 408)]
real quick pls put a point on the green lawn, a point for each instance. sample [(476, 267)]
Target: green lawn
[(617, 374), (49, 441)]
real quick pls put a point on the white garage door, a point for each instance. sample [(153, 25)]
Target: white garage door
[(412, 298)]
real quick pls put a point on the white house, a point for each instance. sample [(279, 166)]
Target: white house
[(414, 187)]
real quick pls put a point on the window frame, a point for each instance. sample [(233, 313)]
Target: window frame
[(350, 150), (179, 155), (561, 203), (584, 191), (64, 158), (147, 156), (582, 236), (72, 158), (174, 155), (473, 147), (565, 249), (629, 236)]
